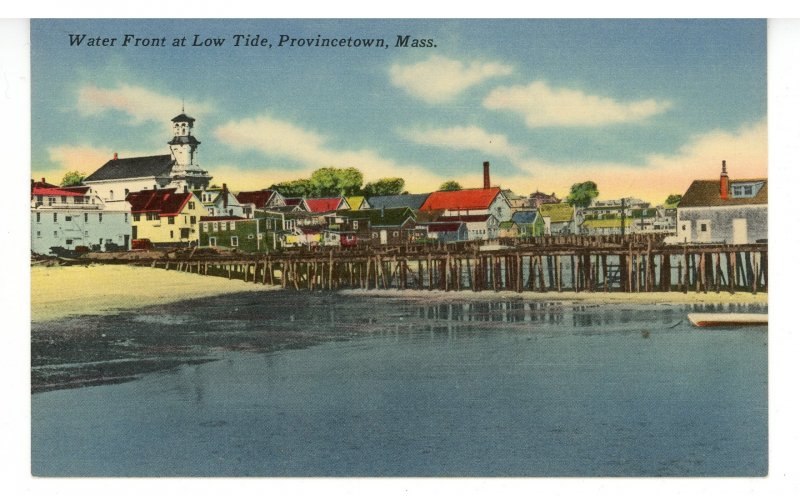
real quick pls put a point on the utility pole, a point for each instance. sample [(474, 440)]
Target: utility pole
[(622, 217)]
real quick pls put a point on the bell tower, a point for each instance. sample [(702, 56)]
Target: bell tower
[(185, 171)]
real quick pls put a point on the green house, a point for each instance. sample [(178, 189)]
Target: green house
[(237, 233)]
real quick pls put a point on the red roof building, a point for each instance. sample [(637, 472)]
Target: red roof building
[(164, 202), (322, 205), (469, 202)]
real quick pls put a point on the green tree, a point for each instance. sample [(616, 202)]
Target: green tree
[(73, 178), (384, 187), (330, 181), (450, 186), (673, 199), (298, 187), (582, 194)]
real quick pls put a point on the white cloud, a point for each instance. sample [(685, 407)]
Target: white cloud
[(140, 103), (465, 138), (280, 139), (544, 106), (81, 158), (439, 79)]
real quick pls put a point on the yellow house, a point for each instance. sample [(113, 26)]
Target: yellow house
[(166, 217)]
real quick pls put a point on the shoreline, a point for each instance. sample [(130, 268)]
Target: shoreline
[(69, 291), (582, 297), (61, 292)]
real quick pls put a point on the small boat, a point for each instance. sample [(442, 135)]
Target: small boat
[(727, 319)]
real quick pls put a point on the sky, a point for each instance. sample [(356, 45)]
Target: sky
[(642, 108)]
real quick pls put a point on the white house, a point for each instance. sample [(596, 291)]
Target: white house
[(72, 217), (724, 211)]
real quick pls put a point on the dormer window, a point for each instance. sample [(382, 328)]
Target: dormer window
[(745, 190)]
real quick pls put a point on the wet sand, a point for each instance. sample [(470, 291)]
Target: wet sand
[(60, 292)]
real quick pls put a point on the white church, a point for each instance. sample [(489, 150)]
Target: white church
[(179, 169)]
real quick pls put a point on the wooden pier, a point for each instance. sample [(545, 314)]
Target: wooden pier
[(570, 263)]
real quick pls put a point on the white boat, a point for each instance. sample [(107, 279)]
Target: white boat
[(727, 319)]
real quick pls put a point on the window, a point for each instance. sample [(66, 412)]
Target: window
[(38, 234), (63, 199), (86, 217), (69, 241), (68, 218), (396, 234), (126, 192), (212, 241), (355, 225), (38, 217), (233, 225), (51, 200), (192, 220), (214, 226), (191, 205), (223, 226), (250, 236), (171, 234), (99, 217), (204, 227), (126, 218), (55, 217), (703, 227), (111, 194), (234, 240), (136, 217), (55, 234), (171, 220)]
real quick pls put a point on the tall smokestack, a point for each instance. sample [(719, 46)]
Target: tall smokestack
[(723, 182), (224, 195), (486, 182)]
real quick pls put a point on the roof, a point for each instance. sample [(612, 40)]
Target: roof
[(319, 205), (413, 202), (705, 193), (55, 191), (259, 198), (295, 202), (558, 212), (508, 224), (183, 118), (355, 201), (166, 202), (183, 140), (381, 217), (444, 226), (124, 168), (471, 218), (464, 199), (208, 218), (524, 217)]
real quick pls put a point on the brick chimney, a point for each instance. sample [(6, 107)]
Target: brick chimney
[(115, 155), (723, 182), (224, 195), (486, 182)]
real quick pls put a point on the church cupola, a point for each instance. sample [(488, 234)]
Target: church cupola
[(183, 145)]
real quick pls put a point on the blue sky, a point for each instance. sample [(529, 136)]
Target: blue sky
[(640, 107)]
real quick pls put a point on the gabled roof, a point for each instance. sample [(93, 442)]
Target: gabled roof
[(606, 223), (56, 191), (465, 199), (319, 205), (125, 168), (355, 202), (183, 118), (296, 202), (413, 202), (558, 212), (166, 202), (258, 198), (381, 217), (703, 193), (508, 224), (42, 184), (524, 217)]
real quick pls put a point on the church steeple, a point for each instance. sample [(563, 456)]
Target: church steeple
[(183, 145)]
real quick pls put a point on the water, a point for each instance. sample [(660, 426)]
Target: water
[(415, 388)]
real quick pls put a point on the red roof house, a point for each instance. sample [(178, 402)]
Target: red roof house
[(165, 202), (321, 205)]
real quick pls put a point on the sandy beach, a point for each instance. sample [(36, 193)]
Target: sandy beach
[(58, 292)]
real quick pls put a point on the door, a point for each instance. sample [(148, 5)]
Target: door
[(685, 231), (704, 231), (739, 231), (384, 236)]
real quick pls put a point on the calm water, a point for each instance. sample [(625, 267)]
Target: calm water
[(414, 388)]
